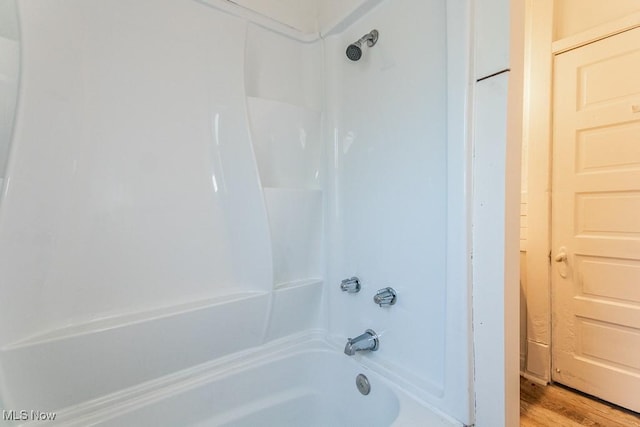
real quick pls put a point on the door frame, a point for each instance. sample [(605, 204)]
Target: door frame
[(537, 127)]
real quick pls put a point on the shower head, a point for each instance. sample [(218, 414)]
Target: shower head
[(354, 50)]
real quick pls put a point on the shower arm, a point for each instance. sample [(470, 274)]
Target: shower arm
[(371, 38)]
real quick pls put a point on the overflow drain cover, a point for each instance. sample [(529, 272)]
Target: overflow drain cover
[(362, 382)]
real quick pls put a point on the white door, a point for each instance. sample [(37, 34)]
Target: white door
[(596, 219)]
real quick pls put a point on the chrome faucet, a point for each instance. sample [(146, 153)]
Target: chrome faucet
[(367, 341)]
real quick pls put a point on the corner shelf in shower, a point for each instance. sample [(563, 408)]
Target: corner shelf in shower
[(286, 139)]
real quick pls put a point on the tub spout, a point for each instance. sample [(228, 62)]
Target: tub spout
[(367, 341)]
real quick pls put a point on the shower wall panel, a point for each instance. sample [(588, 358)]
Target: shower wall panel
[(176, 167), (284, 97), (9, 72), (388, 201), (132, 183)]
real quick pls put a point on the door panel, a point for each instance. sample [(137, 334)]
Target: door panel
[(596, 219)]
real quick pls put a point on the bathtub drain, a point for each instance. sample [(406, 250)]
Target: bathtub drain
[(362, 382)]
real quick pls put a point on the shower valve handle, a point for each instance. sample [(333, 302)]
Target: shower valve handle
[(351, 285), (385, 297)]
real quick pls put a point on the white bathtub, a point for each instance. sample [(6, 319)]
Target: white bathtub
[(304, 383)]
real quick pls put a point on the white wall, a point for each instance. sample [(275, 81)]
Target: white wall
[(9, 68), (331, 11), (535, 337), (300, 19), (336, 16), (574, 16), (388, 200), (132, 182), (165, 180), (283, 69), (8, 19), (299, 14), (497, 135)]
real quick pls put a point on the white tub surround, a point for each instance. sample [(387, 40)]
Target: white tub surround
[(9, 73), (190, 182), (135, 240), (395, 190)]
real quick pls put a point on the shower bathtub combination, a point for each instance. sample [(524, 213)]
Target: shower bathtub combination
[(210, 206)]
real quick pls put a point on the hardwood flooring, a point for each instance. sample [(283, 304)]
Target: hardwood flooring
[(559, 406)]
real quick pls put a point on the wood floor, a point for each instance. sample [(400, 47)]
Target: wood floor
[(558, 406)]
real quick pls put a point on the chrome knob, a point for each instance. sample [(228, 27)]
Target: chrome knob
[(351, 285), (385, 297)]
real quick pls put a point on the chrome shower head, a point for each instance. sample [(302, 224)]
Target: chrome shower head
[(354, 50)]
